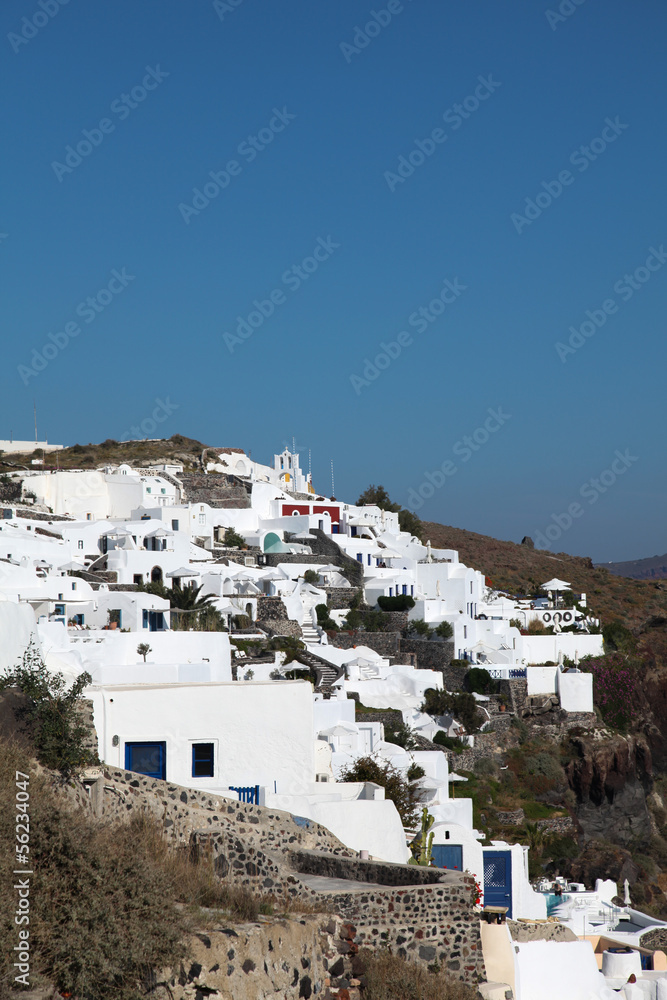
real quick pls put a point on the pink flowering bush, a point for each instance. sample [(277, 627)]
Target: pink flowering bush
[(616, 688)]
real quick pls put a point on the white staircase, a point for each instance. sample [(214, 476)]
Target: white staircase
[(311, 636)]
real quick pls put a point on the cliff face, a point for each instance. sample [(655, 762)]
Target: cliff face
[(611, 779)]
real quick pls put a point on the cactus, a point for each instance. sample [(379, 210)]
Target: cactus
[(422, 845)]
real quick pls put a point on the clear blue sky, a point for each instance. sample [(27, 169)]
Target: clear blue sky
[(327, 174)]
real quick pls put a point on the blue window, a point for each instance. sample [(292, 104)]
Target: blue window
[(412, 591), (405, 588), (448, 856), (146, 758), (369, 560), (174, 524), (391, 591), (360, 557), (202, 760), (145, 618)]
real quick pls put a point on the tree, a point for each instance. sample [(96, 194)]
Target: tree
[(461, 706), (233, 540), (143, 649), (445, 630), (52, 713), (420, 628), (378, 496), (407, 521), (396, 788), (310, 576), (401, 735)]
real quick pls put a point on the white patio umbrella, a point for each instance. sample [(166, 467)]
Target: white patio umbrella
[(183, 571), (555, 584)]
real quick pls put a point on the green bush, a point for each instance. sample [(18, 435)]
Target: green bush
[(415, 772), (233, 540), (461, 706), (449, 742), (310, 576), (445, 630), (400, 734), (480, 681), (323, 619), (419, 627), (51, 713), (402, 602)]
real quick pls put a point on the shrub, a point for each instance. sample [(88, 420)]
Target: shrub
[(323, 619), (445, 630), (449, 742), (396, 787), (312, 577), (389, 977), (400, 734), (617, 688), (461, 706), (51, 713), (415, 772), (486, 767), (480, 681), (402, 602), (419, 627), (618, 639), (233, 540)]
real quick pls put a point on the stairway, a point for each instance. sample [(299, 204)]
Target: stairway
[(327, 673), (309, 633)]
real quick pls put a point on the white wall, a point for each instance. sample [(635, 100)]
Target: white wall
[(262, 732), (541, 680), (540, 648), (17, 626), (558, 970), (575, 691)]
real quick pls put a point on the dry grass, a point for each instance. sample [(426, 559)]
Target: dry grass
[(389, 977)]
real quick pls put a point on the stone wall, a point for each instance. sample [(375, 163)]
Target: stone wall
[(384, 643), (272, 617), (323, 545), (274, 558), (356, 870), (431, 655), (262, 849), (339, 598), (215, 489), (425, 923), (288, 958)]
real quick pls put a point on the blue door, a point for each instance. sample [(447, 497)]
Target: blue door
[(448, 856), (146, 758), (498, 879)]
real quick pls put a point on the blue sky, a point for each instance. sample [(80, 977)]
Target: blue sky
[(334, 110)]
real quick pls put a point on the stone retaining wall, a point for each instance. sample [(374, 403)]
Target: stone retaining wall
[(356, 870), (384, 643), (431, 655), (339, 598)]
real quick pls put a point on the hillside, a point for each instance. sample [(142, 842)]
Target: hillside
[(653, 568), (521, 569), (178, 449)]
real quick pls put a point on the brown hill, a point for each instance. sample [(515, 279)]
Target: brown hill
[(520, 569), (653, 568), (182, 450)]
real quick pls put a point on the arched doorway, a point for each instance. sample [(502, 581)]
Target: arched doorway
[(156, 574)]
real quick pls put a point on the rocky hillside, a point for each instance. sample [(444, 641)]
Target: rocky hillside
[(178, 449), (520, 569), (653, 568)]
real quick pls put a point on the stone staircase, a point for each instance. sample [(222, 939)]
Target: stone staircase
[(309, 633), (327, 674)]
